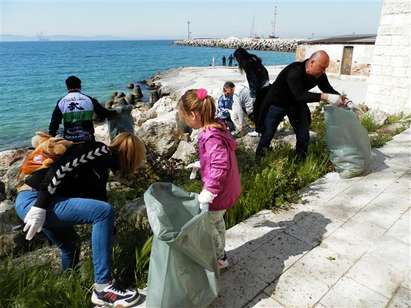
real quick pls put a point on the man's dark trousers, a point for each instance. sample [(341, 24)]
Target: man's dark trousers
[(300, 120)]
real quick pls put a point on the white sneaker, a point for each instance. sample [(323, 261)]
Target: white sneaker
[(115, 297), (253, 134)]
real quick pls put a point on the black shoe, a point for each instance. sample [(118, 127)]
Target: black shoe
[(114, 296)]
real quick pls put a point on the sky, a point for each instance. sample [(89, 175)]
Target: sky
[(126, 19)]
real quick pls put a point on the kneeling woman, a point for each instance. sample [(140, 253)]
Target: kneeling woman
[(73, 192)]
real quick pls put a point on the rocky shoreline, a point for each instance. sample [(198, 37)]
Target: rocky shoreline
[(168, 140), (282, 45)]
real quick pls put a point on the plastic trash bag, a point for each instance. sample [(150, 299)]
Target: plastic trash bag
[(347, 141), (183, 267)]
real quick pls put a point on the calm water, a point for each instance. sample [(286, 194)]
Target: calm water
[(32, 75)]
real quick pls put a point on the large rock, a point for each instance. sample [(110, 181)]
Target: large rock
[(161, 134), (8, 218), (12, 179), (185, 151), (164, 105), (8, 157), (140, 116)]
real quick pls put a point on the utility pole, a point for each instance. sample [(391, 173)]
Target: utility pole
[(274, 22), (188, 30), (252, 34)]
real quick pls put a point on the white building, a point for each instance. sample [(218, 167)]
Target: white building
[(389, 84), (349, 54)]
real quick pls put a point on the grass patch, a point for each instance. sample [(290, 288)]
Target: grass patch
[(369, 123)]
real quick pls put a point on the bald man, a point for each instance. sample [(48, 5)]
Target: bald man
[(289, 95)]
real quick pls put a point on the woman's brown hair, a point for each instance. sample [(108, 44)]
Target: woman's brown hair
[(131, 152)]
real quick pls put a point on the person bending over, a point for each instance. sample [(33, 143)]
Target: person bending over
[(71, 192), (289, 95)]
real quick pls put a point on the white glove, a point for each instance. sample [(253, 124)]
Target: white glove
[(205, 197), (334, 99), (34, 221), (194, 166)]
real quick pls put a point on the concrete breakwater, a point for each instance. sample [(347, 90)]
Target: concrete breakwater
[(285, 45)]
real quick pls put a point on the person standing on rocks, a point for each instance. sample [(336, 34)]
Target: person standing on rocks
[(289, 95), (230, 60), (76, 110)]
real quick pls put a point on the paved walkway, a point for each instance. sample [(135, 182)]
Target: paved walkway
[(346, 245)]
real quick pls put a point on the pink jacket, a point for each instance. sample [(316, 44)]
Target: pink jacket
[(219, 169)]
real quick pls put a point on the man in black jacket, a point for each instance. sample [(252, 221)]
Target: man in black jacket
[(289, 95), (76, 110)]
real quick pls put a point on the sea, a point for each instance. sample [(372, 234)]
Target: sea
[(32, 75)]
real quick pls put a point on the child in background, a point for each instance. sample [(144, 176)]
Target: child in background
[(225, 105), (218, 163)]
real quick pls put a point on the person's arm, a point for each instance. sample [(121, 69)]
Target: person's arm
[(78, 156), (101, 112), (325, 86), (246, 101), (219, 165), (55, 121), (295, 83), (238, 113)]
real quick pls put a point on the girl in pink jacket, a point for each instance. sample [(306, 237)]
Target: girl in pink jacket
[(218, 162)]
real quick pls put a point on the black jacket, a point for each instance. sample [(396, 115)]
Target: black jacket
[(290, 91), (82, 172)]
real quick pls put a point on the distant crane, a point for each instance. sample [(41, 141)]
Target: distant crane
[(272, 35)]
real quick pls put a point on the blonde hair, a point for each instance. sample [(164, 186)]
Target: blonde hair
[(131, 152), (190, 102)]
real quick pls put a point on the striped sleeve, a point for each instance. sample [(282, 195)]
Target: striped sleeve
[(81, 156)]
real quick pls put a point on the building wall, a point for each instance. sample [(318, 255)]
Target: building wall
[(361, 62), (389, 84)]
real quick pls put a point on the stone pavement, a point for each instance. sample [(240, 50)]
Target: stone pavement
[(346, 245)]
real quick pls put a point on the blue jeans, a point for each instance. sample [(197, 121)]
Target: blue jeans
[(62, 215), (300, 121)]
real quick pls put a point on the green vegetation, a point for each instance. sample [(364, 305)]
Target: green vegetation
[(271, 183), (368, 122)]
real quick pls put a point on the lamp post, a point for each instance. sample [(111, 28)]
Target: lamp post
[(188, 30)]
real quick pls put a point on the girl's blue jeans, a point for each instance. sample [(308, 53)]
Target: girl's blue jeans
[(62, 215)]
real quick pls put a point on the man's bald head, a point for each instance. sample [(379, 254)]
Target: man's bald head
[(317, 63)]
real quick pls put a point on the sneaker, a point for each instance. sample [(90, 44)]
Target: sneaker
[(223, 262), (115, 297), (253, 134)]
